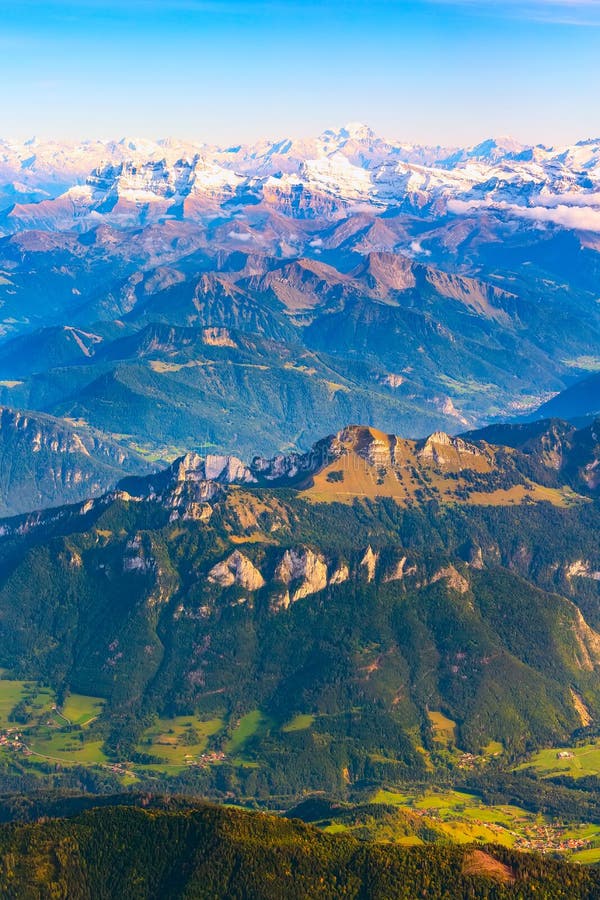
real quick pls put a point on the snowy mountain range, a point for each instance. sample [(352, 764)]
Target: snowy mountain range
[(64, 186)]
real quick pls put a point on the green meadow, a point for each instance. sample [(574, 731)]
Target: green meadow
[(178, 741), (584, 759)]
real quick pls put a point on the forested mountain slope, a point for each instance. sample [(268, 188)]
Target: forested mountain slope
[(207, 852), (330, 602)]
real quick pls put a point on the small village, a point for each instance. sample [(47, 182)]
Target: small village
[(536, 836), (542, 837), (12, 739), (550, 839), (205, 759)]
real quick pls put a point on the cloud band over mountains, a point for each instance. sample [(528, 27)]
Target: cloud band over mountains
[(582, 216)]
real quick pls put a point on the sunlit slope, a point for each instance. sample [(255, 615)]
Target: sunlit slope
[(372, 464)]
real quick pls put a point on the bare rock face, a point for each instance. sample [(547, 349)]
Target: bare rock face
[(588, 642), (372, 445), (369, 561), (223, 469), (394, 380), (581, 568), (196, 491), (237, 569), (195, 512), (591, 474), (218, 337), (305, 566), (308, 568), (454, 579), (399, 570), (227, 469), (473, 555), (284, 466), (230, 470), (341, 574), (137, 557), (581, 708), (441, 449)]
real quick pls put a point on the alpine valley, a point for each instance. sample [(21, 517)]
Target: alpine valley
[(300, 498)]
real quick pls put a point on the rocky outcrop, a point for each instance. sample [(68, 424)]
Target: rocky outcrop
[(222, 469), (591, 474), (136, 558), (581, 569), (453, 578), (237, 569), (218, 337), (581, 709), (369, 561), (291, 466), (393, 380), (472, 555), (339, 575), (588, 643), (399, 570), (443, 450), (304, 566), (370, 444)]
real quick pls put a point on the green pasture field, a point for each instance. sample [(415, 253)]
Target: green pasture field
[(585, 761)]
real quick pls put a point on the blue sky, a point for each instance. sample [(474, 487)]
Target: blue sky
[(434, 71)]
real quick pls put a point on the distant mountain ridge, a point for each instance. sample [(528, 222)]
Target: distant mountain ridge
[(129, 182), (46, 462), (306, 344), (578, 401), (174, 295), (504, 465)]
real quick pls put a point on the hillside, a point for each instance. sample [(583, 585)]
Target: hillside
[(579, 401), (205, 851), (304, 344), (552, 449), (304, 622), (47, 462)]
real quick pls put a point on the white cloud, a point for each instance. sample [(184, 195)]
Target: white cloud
[(417, 247), (570, 198), (580, 218), (577, 217)]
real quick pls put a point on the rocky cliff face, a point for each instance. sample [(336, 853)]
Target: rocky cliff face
[(237, 569), (445, 451), (45, 462), (356, 462), (298, 572)]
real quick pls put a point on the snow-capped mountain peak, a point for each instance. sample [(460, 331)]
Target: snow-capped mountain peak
[(339, 171)]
